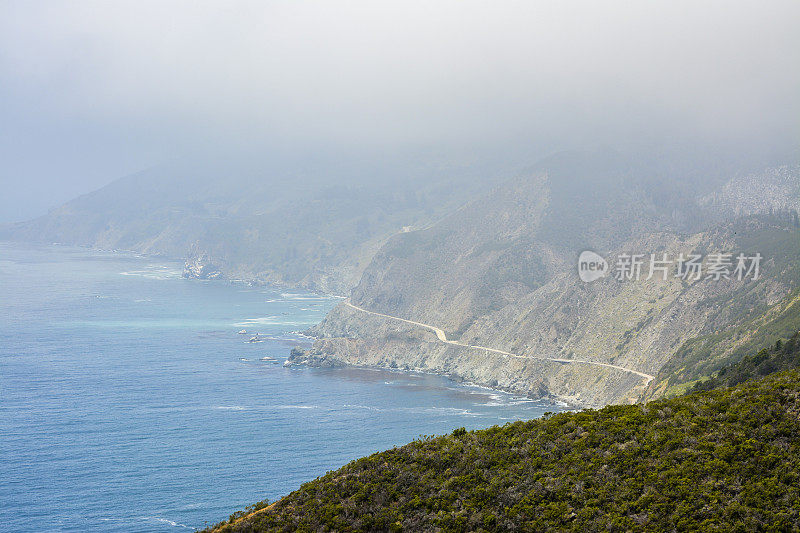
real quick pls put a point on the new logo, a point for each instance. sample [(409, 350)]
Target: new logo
[(591, 266)]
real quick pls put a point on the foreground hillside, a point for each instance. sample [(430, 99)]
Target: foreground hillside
[(726, 459)]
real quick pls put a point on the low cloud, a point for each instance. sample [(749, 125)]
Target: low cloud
[(102, 88)]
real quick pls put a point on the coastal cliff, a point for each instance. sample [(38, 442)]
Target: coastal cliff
[(501, 273), (492, 268)]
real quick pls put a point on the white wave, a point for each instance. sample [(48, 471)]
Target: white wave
[(231, 407), (166, 521), (260, 320), (503, 404), (301, 335), (159, 272), (442, 410), (365, 407), (302, 296), (297, 407), (268, 321)]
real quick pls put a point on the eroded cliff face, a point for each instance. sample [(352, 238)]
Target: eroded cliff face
[(638, 326), (352, 337), (502, 273)]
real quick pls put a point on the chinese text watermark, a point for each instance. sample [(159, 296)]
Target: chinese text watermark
[(690, 267)]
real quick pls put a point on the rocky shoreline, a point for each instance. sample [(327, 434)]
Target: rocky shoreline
[(300, 357), (348, 338)]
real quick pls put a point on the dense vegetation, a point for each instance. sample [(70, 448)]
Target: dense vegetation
[(722, 460), (782, 356)]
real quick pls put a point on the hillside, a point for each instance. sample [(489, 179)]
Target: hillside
[(501, 273), (706, 461), (781, 356), (310, 222), (490, 263)]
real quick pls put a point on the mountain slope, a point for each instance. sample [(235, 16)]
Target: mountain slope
[(501, 273)]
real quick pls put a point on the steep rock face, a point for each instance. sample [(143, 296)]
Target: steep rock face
[(501, 273), (505, 245), (351, 337), (775, 189), (199, 265)]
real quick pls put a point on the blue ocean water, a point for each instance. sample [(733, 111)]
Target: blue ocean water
[(129, 402)]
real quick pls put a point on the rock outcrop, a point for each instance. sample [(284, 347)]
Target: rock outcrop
[(199, 265)]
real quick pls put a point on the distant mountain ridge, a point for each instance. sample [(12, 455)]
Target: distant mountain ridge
[(501, 272), (490, 263), (306, 224)]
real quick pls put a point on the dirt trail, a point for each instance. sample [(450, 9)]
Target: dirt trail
[(442, 337)]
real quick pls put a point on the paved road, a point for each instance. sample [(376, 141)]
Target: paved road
[(442, 337)]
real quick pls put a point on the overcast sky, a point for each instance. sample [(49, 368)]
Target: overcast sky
[(91, 91)]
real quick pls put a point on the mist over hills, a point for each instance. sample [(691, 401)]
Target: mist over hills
[(486, 254), (501, 273), (307, 222), (486, 189)]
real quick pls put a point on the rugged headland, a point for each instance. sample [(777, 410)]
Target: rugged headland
[(501, 273), (488, 265)]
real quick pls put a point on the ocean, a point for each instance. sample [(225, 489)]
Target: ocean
[(129, 401)]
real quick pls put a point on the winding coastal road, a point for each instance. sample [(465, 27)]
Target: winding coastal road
[(443, 338)]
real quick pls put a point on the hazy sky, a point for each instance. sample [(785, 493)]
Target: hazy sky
[(90, 91)]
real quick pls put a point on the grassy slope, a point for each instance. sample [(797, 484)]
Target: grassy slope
[(701, 358), (719, 460), (743, 321)]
